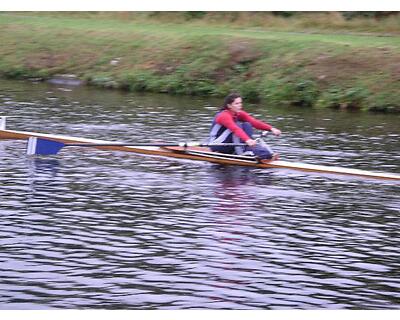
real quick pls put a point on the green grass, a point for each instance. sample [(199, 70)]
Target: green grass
[(280, 67), (182, 30)]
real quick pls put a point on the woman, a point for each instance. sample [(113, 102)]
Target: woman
[(233, 125)]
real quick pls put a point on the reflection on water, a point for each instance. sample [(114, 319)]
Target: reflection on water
[(100, 229), (42, 165)]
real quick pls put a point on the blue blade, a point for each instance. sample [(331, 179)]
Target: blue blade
[(41, 146)]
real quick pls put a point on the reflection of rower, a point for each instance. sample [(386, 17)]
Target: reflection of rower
[(233, 125)]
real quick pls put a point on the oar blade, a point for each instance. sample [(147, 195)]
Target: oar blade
[(40, 146)]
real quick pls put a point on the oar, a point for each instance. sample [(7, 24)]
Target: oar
[(3, 120), (40, 146)]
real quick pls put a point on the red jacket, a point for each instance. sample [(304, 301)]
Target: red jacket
[(227, 119)]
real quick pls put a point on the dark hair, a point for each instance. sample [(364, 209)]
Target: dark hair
[(230, 98)]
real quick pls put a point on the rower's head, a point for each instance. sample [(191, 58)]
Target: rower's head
[(233, 102)]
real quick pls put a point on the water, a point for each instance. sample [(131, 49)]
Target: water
[(98, 229)]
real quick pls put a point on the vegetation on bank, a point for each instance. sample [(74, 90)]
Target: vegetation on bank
[(168, 52)]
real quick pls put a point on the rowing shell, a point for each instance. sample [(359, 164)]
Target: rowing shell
[(203, 154)]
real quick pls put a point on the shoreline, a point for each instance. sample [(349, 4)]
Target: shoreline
[(282, 68)]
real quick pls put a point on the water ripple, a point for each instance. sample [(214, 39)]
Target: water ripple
[(99, 229)]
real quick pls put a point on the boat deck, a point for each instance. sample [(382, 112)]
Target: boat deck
[(201, 154)]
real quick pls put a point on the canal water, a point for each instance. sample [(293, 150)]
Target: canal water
[(90, 229)]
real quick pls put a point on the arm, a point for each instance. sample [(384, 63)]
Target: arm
[(226, 120), (244, 116)]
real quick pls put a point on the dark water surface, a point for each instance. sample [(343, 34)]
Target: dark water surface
[(98, 229)]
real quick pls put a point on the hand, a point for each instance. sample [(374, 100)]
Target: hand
[(276, 132), (251, 142)]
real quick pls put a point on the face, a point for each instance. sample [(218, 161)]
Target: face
[(236, 105)]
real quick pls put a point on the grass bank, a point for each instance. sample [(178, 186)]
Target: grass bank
[(308, 69)]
